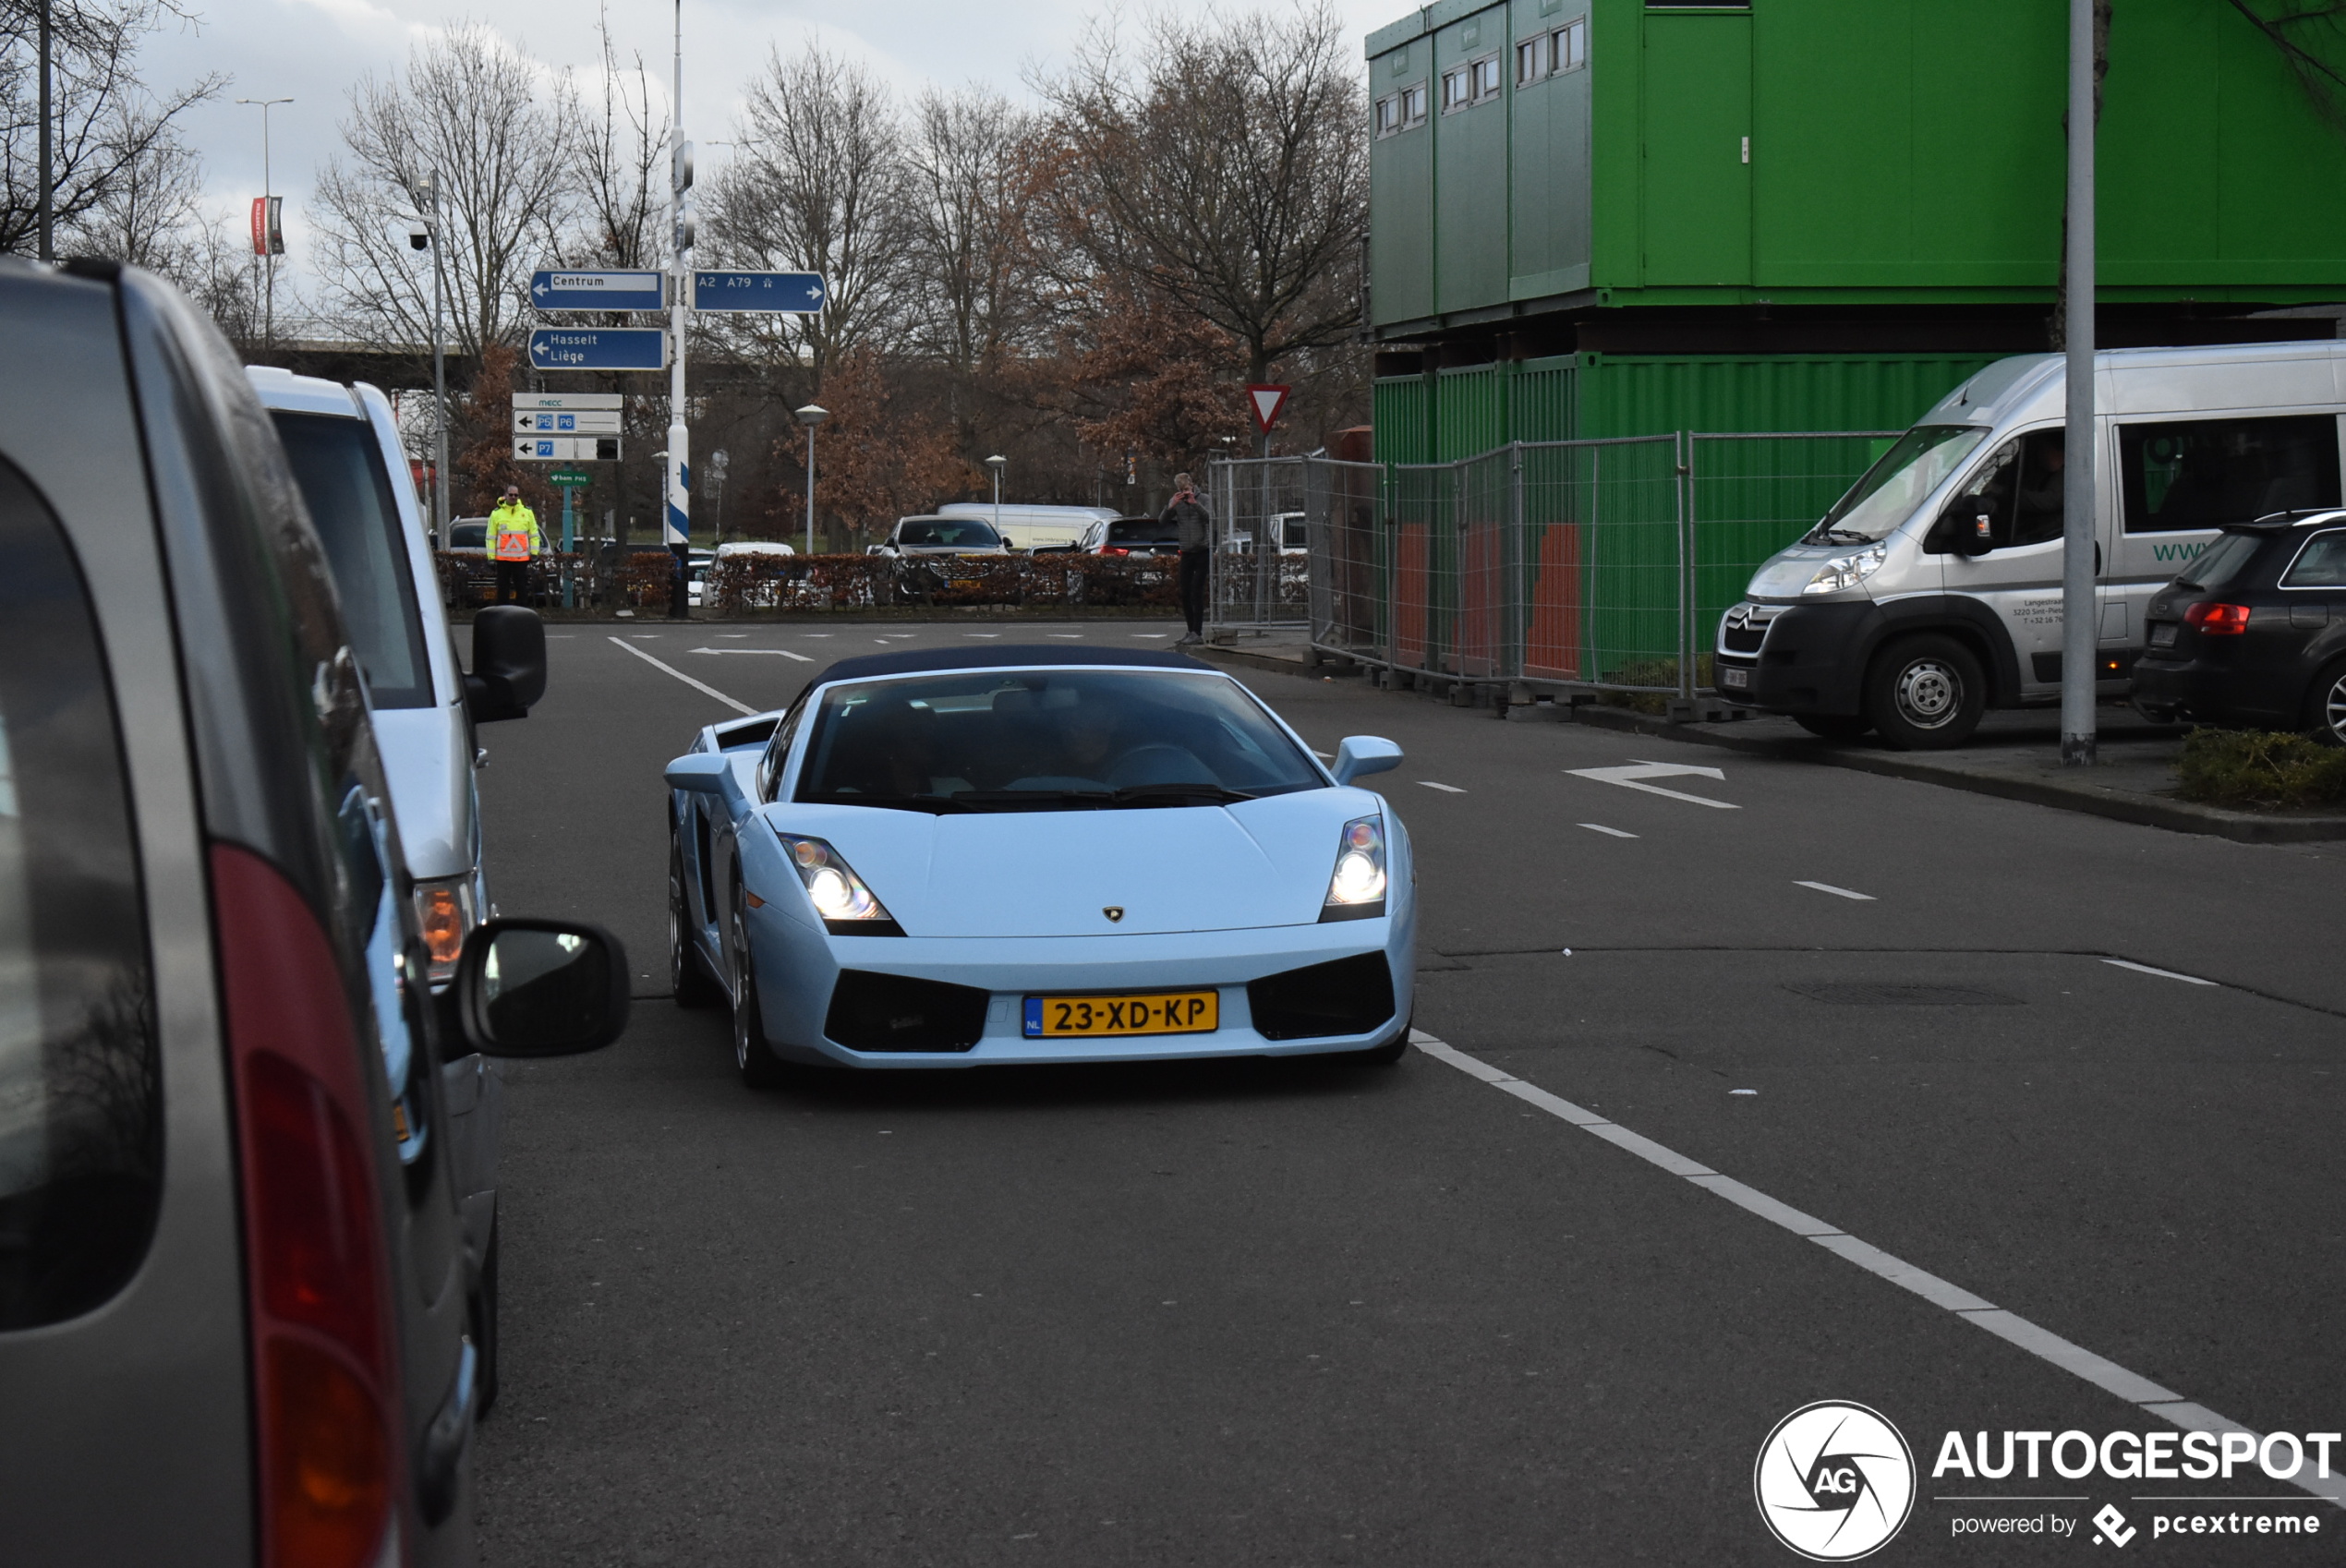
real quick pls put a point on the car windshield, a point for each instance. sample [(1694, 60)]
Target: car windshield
[(1047, 740), (1898, 483), (2219, 562), (339, 466), (1138, 531), (951, 532)]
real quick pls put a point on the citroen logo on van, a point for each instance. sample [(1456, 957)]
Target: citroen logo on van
[(1113, 911)]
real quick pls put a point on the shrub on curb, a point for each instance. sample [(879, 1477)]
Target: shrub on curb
[(2260, 767)]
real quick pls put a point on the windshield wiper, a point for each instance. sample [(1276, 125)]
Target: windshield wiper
[(1839, 537), (1150, 794)]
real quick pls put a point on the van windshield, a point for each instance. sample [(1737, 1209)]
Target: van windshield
[(1894, 487), (339, 466)]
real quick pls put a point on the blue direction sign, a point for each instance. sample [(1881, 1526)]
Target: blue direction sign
[(802, 293), (598, 349), (553, 290)]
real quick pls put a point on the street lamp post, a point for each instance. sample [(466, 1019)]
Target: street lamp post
[(2080, 620), (424, 191), (810, 417), (997, 462), (678, 461), (268, 230)]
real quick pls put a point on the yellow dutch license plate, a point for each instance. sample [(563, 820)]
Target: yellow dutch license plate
[(1144, 1012)]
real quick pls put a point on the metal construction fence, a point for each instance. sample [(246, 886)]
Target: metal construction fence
[(1603, 563)]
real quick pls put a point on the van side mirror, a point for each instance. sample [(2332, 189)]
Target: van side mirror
[(509, 663), (1359, 755), (1966, 527), (541, 988)]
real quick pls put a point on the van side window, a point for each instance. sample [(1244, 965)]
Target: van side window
[(80, 1112), (2204, 473)]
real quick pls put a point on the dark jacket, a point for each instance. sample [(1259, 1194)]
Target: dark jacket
[(1192, 524)]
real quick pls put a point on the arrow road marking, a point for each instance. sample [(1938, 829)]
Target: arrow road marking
[(778, 653), (734, 703), (1836, 892), (1628, 777)]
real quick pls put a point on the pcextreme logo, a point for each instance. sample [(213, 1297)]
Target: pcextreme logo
[(1834, 1482)]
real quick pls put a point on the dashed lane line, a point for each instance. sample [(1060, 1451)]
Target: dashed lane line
[(737, 705), (2161, 973), (2014, 1329), (1445, 789), (1837, 892), (1609, 832)]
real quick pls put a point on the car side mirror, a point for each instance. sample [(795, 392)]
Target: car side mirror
[(701, 772), (1359, 755), (541, 988), (509, 663), (1966, 527)]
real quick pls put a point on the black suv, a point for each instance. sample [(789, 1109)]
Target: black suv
[(232, 1282), (2254, 632)]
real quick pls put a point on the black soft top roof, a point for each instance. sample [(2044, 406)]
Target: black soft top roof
[(912, 661)]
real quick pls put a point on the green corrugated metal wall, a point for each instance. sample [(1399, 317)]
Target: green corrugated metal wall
[(1459, 412)]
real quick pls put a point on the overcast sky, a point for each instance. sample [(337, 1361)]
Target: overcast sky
[(315, 50)]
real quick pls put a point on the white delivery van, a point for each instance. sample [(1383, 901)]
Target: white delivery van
[(1029, 528), (1932, 590), (343, 445)]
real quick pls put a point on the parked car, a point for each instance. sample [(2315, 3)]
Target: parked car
[(940, 537), (1026, 528), (762, 597), (468, 536), (343, 444), (1294, 536), (926, 861), (2254, 630), (1130, 535), (233, 1313), (1932, 591)]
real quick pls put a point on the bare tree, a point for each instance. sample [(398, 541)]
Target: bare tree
[(2311, 36), (103, 119), (485, 122), (971, 178), (1225, 172), (817, 187), (620, 143)]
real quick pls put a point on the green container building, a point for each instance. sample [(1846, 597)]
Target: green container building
[(1609, 217)]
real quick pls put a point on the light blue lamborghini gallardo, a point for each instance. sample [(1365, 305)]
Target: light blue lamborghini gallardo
[(1035, 854)]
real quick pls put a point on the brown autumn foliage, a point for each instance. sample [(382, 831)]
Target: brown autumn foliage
[(882, 455)]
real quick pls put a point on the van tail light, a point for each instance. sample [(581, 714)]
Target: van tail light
[(2218, 620), (1114, 549), (317, 1275)]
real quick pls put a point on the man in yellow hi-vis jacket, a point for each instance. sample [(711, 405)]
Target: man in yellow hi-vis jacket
[(513, 540)]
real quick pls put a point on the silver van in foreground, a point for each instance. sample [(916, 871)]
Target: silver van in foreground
[(1932, 591)]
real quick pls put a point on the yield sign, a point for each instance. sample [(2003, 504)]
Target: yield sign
[(1629, 779), (1267, 401)]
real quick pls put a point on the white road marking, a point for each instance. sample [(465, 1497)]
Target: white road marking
[(2161, 973), (776, 653), (1628, 777), (1601, 827), (1153, 636), (699, 686), (981, 633), (1070, 637), (1445, 789), (2011, 1327), (1324, 756), (732, 636), (1836, 892)]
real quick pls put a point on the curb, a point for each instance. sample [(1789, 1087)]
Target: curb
[(2176, 817)]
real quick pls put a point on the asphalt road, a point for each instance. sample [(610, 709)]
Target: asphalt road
[(1287, 1313)]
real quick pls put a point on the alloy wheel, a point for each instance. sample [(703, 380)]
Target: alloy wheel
[(2334, 708)]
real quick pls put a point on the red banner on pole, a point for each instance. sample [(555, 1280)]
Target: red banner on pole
[(1267, 401), (268, 226)]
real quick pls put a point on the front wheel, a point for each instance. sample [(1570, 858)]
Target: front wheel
[(1925, 692), (2326, 705), (752, 1056)]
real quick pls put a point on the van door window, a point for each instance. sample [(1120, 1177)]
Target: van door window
[(81, 1113), (339, 466), (2204, 473)]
